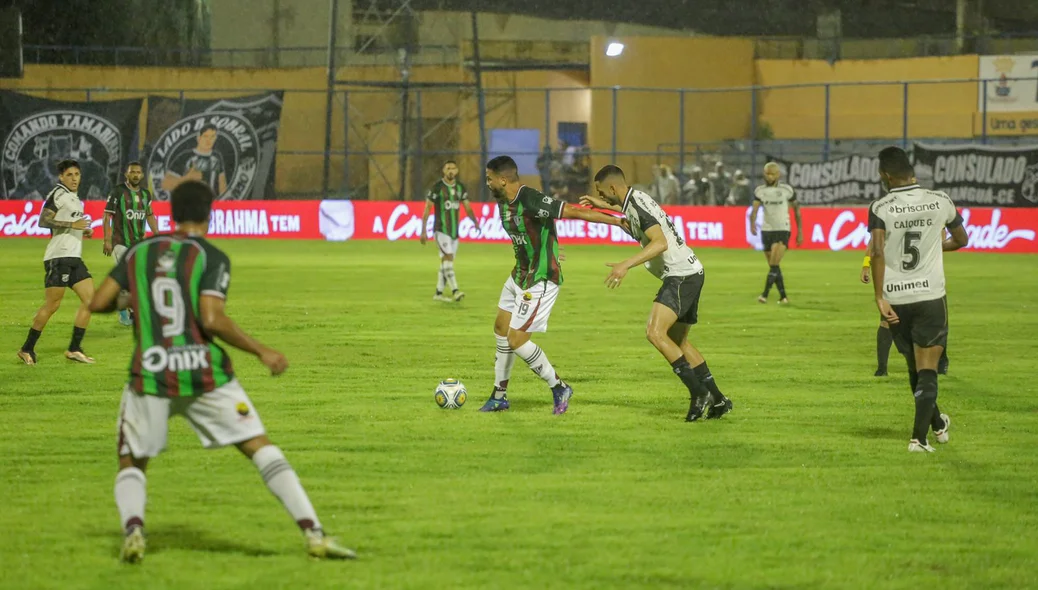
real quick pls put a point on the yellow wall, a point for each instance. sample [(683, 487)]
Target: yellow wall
[(934, 110), (647, 119)]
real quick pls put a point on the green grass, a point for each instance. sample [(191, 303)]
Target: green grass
[(806, 484)]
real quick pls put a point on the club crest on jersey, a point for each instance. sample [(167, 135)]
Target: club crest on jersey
[(166, 261), (527, 296)]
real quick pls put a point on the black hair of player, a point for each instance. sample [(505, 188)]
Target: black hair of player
[(191, 202), (449, 162), (66, 164), (609, 170), (894, 162), (134, 163), (505, 166), (206, 127)]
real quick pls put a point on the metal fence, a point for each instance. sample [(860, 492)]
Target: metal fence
[(390, 143)]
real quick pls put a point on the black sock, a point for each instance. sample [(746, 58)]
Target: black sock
[(937, 423), (702, 372), (30, 340), (780, 283), (772, 276), (76, 345), (925, 403), (688, 376), (883, 341)]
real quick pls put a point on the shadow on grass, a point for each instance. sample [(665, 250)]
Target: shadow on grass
[(183, 537)]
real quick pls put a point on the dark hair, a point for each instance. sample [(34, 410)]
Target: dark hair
[(134, 163), (192, 201), (894, 161), (607, 171), (504, 165), (66, 164), (449, 162), (206, 127)]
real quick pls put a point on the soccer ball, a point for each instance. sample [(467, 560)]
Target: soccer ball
[(450, 394)]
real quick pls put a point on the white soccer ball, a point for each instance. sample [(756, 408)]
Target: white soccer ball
[(450, 394)]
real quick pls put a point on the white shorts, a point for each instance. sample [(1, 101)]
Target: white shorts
[(448, 245), (118, 252), (224, 416), (531, 308)]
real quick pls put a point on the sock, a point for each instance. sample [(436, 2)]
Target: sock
[(283, 482), (772, 276), (687, 374), (538, 361), (30, 340), (937, 423), (130, 496), (503, 361), (925, 402), (780, 283), (883, 341), (702, 373), (439, 279), (76, 345), (448, 275)]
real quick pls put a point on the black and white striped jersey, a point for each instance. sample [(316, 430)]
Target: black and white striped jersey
[(64, 243), (678, 259)]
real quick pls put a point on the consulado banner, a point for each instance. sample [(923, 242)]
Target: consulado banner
[(37, 133), (982, 175), (829, 228)]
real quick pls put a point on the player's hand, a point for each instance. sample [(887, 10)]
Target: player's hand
[(589, 201), (800, 239), (81, 224), (753, 229), (88, 232), (886, 311), (274, 360), (107, 248), (422, 238), (193, 174), (617, 276), (866, 275)]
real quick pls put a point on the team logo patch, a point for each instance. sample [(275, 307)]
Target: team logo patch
[(527, 296), (220, 149), (39, 141), (64, 278), (166, 261), (243, 408)]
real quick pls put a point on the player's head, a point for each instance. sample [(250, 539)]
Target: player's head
[(207, 138), (69, 174), (895, 168), (501, 171), (450, 170), (611, 183), (134, 173), (772, 173), (192, 203)]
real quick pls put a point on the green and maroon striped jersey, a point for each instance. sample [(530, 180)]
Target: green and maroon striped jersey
[(167, 277), (129, 210), (529, 219), (447, 200)]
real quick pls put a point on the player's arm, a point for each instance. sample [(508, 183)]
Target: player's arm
[(753, 215), (796, 215), (216, 322), (590, 215), (878, 242), (599, 203), (153, 221), (106, 224), (425, 218), (222, 181), (959, 238), (657, 245), (48, 221), (107, 298)]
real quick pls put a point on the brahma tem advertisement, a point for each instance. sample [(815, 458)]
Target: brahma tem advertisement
[(838, 228)]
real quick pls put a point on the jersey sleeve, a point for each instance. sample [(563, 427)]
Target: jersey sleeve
[(431, 195), (875, 221), (756, 195), (121, 274), (954, 217), (645, 219), (540, 206), (792, 194), (147, 205), (464, 193), (112, 204), (216, 278)]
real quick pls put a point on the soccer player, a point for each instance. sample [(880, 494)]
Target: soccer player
[(178, 285), (62, 214), (776, 198), (676, 308), (205, 164), (445, 198), (530, 292), (884, 339), (907, 228), (128, 207)]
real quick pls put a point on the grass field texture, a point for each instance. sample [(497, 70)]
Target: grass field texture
[(807, 484)]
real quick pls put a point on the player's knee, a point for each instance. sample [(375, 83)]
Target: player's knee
[(448, 258), (251, 446), (51, 306), (517, 338), (655, 335)]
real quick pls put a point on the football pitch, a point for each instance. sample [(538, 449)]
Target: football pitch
[(806, 484)]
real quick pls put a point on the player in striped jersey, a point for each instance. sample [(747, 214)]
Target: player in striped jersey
[(530, 292), (178, 285), (676, 308), (128, 207), (445, 198), (775, 198), (62, 214)]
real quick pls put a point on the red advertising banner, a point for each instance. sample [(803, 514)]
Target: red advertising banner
[(990, 229)]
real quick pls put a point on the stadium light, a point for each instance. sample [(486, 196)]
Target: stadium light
[(614, 49)]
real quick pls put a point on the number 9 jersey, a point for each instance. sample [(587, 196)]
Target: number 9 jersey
[(167, 276), (914, 220)]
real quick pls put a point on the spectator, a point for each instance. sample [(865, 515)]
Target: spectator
[(665, 187), (544, 167), (740, 194), (720, 184), (697, 188)]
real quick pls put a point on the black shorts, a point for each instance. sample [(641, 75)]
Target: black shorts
[(682, 295), (774, 237), (923, 324), (64, 272)]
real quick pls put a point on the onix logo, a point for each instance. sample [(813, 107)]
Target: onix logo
[(157, 359)]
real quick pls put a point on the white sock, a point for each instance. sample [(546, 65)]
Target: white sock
[(538, 361), (130, 496), (439, 279), (283, 482), (503, 361), (448, 273)]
